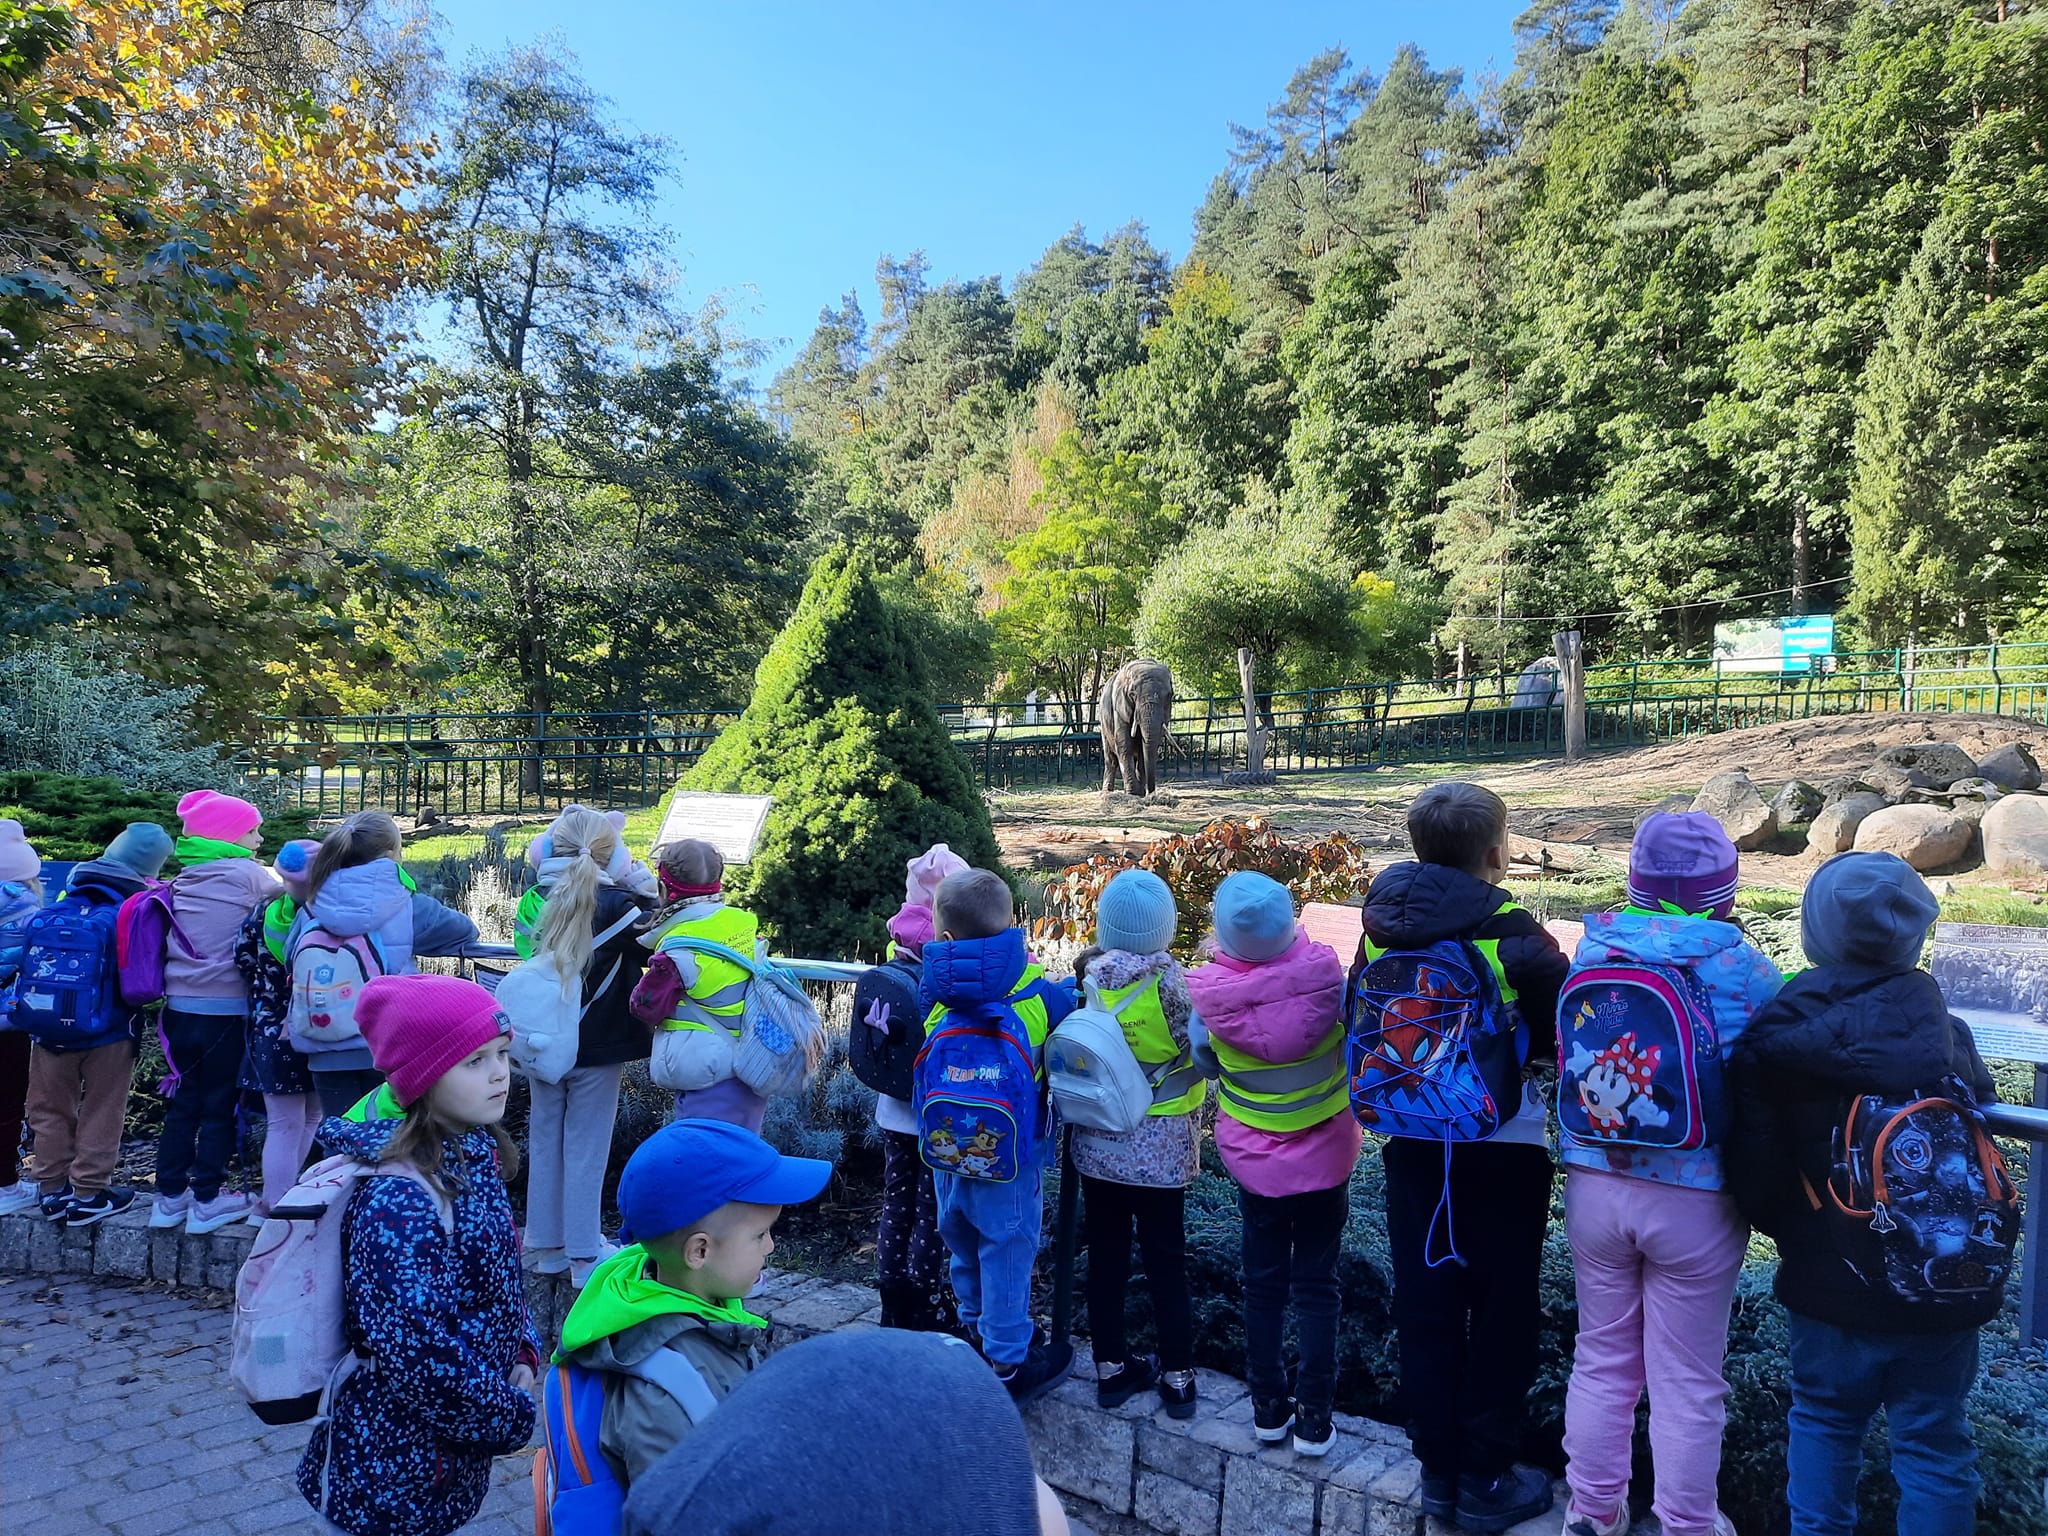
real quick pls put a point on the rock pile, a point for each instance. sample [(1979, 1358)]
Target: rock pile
[(1930, 803)]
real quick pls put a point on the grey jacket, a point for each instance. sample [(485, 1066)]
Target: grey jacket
[(642, 1422)]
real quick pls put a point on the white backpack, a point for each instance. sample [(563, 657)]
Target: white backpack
[(547, 1023), (289, 1347), (1095, 1078), (329, 972)]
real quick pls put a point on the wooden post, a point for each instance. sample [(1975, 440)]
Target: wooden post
[(1911, 687), (1572, 660), (1254, 738)]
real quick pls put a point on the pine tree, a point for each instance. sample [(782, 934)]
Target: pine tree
[(842, 732)]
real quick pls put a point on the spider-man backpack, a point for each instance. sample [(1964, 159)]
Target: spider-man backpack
[(1433, 1046)]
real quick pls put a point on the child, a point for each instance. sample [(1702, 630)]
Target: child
[(1466, 1219), (206, 1005), (433, 1301), (271, 1065), (626, 872), (977, 968), (21, 897), (1140, 1180), (694, 1000), (588, 922), (1656, 1244), (909, 1254), (1272, 1001), (1862, 1021), (356, 888), (698, 1199), (78, 1091)]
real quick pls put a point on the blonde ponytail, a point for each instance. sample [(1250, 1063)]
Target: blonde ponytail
[(587, 840)]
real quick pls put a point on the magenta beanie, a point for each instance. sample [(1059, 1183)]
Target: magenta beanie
[(1683, 860), (928, 871), (223, 818), (417, 1027), (911, 928)]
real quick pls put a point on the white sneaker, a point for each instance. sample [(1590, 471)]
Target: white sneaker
[(169, 1210), (225, 1208), (18, 1197), (1576, 1524), (580, 1270), (545, 1261)]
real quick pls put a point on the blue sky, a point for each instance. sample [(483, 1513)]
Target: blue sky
[(811, 138)]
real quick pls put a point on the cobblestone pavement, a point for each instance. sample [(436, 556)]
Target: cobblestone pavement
[(116, 1416)]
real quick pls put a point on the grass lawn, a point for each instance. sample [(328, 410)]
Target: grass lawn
[(641, 827)]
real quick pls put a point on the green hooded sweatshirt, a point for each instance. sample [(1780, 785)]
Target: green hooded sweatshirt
[(624, 1315)]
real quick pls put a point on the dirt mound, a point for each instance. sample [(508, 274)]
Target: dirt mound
[(1819, 748)]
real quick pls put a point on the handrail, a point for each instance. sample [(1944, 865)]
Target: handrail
[(2018, 1120)]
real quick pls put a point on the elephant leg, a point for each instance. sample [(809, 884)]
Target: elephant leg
[(1109, 762)]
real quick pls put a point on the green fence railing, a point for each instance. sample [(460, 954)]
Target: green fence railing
[(509, 763)]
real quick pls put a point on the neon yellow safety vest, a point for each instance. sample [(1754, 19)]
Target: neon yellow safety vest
[(1178, 1085), (720, 993), (1490, 948), (1287, 1095), (1030, 1013), (526, 921)]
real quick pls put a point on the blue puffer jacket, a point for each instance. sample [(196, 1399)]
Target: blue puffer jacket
[(443, 1321), (1739, 980)]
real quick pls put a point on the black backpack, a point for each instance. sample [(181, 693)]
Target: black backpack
[(1921, 1201), (887, 1032)]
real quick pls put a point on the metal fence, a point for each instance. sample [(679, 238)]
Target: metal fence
[(509, 763)]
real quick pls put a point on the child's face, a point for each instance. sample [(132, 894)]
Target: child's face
[(721, 1259), (472, 1092), (251, 839)]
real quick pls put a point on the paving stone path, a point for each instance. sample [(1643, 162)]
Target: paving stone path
[(116, 1417)]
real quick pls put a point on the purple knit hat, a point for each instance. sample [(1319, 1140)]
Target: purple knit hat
[(1682, 861), (911, 927)]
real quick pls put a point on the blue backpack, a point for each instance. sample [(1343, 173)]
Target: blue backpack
[(976, 1093), (1639, 1062), (574, 1490), (65, 995), (1433, 1049)]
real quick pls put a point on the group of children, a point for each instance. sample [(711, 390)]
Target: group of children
[(1303, 1055)]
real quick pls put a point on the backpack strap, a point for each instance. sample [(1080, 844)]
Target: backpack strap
[(669, 1370), (716, 950)]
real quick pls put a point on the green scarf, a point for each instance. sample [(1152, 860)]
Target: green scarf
[(620, 1294), (204, 850)]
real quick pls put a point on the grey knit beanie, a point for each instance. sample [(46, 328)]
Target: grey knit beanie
[(1866, 909), (873, 1433)]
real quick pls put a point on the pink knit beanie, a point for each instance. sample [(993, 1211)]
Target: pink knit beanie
[(294, 863), (223, 818), (911, 928), (417, 1027), (18, 860), (928, 871)]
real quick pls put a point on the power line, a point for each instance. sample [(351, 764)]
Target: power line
[(1638, 613)]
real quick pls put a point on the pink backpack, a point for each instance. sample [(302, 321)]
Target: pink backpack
[(289, 1348), (143, 931)]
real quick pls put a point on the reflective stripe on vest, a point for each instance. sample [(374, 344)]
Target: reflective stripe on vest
[(1030, 1012), (1489, 949), (1178, 1085), (720, 993), (1283, 1096)]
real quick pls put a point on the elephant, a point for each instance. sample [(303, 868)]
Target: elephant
[(1133, 713)]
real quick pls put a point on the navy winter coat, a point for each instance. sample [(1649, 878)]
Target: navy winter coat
[(442, 1320)]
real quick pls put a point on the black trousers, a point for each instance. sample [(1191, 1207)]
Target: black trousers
[(1467, 1254), (910, 1256), (199, 1123), (1110, 1213), (1290, 1252)]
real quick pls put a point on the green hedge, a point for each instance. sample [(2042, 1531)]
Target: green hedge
[(2011, 1399), (66, 817)]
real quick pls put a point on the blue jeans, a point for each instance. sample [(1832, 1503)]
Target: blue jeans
[(991, 1233), (1839, 1379)]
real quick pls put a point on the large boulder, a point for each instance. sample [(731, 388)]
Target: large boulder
[(1731, 799), (1925, 836), (2011, 767), (1796, 804), (1834, 829), (1665, 806), (1935, 765), (2016, 837), (1835, 791)]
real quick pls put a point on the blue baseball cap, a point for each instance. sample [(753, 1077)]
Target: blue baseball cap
[(688, 1169)]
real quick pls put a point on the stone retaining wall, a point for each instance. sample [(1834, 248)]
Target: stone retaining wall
[(1127, 1472)]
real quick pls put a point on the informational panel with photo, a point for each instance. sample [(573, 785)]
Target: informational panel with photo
[(730, 823), (1996, 980)]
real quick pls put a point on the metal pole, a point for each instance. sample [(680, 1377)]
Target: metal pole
[(1063, 1239), (2033, 1124)]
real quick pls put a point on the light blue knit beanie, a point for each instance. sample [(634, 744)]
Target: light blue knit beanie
[(141, 848), (1254, 917), (1136, 913)]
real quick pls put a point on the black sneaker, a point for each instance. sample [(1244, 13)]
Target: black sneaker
[(1314, 1435), (1493, 1505), (87, 1209), (1271, 1418), (1129, 1379), (1044, 1368), (1177, 1394), (58, 1206), (1440, 1494)]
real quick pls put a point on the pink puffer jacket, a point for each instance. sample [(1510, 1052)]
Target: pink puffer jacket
[(1279, 1010)]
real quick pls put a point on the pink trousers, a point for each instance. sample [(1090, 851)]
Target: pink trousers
[(1656, 1267)]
